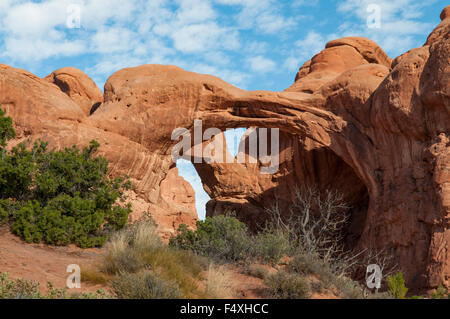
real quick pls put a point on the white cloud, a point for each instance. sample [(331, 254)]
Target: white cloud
[(305, 49), (112, 40), (194, 11), (234, 77), (261, 64), (272, 23), (23, 48), (33, 31), (113, 64), (398, 24), (31, 19), (203, 37), (228, 38), (313, 43), (256, 47), (96, 14), (261, 15), (121, 33), (390, 9)]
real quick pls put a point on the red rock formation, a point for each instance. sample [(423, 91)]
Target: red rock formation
[(175, 205), (78, 86), (376, 130), (339, 56), (42, 111)]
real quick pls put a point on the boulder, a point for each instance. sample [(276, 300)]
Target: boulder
[(78, 86)]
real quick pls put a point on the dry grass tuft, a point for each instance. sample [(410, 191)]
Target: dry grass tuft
[(219, 283), (137, 250)]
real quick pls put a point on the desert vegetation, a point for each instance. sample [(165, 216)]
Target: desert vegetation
[(137, 252), (224, 238), (310, 237), (295, 256), (138, 264), (58, 196), (27, 289)]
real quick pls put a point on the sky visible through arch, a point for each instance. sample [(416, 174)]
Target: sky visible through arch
[(187, 171), (252, 44)]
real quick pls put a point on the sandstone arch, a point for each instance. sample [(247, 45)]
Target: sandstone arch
[(385, 124)]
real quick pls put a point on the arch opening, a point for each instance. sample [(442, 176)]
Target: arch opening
[(187, 170), (302, 162)]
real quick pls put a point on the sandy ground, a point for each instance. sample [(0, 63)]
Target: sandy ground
[(43, 263), (245, 286)]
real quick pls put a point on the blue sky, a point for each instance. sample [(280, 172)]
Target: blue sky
[(253, 44)]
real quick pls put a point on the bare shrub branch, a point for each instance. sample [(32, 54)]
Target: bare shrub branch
[(314, 220)]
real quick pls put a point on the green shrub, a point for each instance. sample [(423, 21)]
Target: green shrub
[(145, 285), (61, 197), (20, 289), (308, 263), (270, 246), (16, 172), (350, 289), (27, 289), (63, 221), (225, 238), (182, 267), (122, 261), (440, 293), (220, 237), (7, 131), (283, 285), (4, 213), (396, 286), (257, 271)]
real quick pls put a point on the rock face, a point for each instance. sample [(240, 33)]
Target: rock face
[(78, 86), (373, 128), (174, 206), (40, 110), (339, 56)]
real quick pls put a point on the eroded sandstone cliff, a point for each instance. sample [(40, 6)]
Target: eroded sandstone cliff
[(373, 128)]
